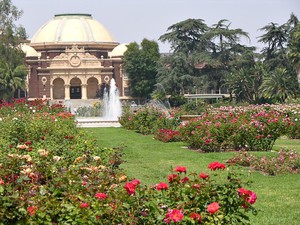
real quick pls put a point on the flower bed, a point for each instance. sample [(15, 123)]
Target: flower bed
[(228, 128), (284, 162), (53, 173)]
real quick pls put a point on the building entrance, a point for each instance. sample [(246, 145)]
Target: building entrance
[(75, 92)]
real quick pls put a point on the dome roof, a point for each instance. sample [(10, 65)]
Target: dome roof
[(119, 50), (72, 28)]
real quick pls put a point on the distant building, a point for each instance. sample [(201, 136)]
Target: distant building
[(73, 56)]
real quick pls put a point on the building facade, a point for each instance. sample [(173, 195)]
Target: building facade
[(73, 56)]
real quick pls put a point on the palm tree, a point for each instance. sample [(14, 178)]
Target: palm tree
[(245, 82), (11, 79), (278, 85)]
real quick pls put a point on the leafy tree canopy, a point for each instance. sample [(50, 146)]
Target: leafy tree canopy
[(140, 65), (12, 69)]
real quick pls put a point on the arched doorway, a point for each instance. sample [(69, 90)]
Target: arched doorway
[(75, 88), (92, 88), (58, 89)]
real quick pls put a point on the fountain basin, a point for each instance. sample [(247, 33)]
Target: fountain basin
[(96, 122)]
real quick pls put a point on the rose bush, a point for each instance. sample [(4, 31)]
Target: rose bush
[(285, 161), (148, 120), (250, 128), (53, 173)]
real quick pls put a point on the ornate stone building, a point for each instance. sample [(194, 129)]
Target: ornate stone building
[(73, 56)]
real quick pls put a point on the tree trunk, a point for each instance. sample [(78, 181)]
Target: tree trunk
[(298, 74)]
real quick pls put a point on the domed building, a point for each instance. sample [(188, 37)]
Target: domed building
[(73, 56)]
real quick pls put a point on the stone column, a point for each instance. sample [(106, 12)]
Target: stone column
[(51, 91), (84, 91), (67, 91)]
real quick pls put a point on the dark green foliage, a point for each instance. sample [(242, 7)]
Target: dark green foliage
[(140, 65)]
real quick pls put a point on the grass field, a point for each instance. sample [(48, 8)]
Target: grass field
[(150, 161)]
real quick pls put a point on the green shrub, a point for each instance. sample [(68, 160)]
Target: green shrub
[(53, 173), (228, 128)]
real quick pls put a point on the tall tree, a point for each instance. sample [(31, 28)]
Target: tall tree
[(294, 50), (225, 38), (9, 32), (282, 56), (186, 36), (140, 65), (11, 56), (201, 55), (176, 74)]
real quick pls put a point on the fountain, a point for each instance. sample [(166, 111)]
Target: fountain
[(112, 108)]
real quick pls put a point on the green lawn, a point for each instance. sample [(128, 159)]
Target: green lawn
[(150, 161)]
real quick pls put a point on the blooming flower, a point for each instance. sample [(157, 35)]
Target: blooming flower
[(196, 217), (130, 188), (216, 166), (213, 207), (31, 210), (162, 186), (172, 177), (28, 143), (122, 178), (43, 152), (184, 180), (203, 175), (196, 186), (99, 195), (135, 182), (248, 196), (56, 158), (84, 205), (22, 146), (252, 198), (180, 169), (174, 215)]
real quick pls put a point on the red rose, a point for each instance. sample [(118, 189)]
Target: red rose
[(248, 196), (184, 180), (243, 191), (100, 195), (180, 169), (130, 188), (203, 175), (31, 210), (172, 177), (213, 207), (196, 217), (162, 186), (84, 205), (216, 166), (135, 182), (174, 215), (252, 198), (28, 143)]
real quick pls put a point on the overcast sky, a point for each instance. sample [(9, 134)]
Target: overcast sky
[(133, 20)]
